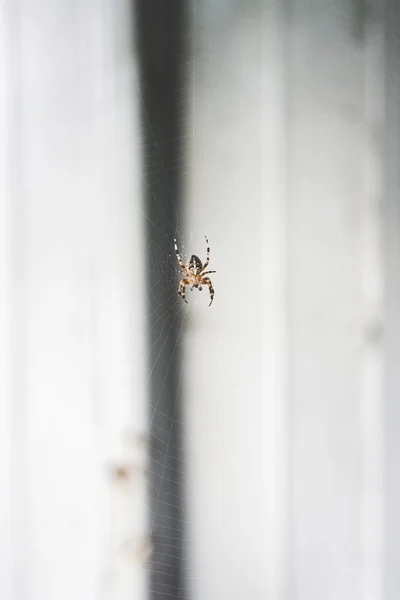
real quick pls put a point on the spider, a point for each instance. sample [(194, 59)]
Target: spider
[(194, 274)]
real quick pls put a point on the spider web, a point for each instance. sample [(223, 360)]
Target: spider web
[(165, 156), (169, 331), (169, 138), (169, 327), (170, 324)]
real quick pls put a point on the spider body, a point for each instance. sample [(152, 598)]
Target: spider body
[(194, 276), (195, 264)]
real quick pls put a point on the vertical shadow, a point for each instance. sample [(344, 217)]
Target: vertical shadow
[(160, 34), (391, 236)]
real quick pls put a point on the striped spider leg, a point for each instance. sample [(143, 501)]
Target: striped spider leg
[(207, 281)]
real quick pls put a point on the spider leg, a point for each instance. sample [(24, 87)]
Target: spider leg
[(207, 281), (206, 272), (182, 289), (178, 256), (208, 257)]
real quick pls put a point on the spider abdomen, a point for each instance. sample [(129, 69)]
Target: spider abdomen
[(195, 264)]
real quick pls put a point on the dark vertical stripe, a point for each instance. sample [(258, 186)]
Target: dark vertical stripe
[(160, 27), (392, 308)]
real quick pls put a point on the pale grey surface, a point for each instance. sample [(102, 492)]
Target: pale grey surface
[(292, 430), (297, 245), (74, 253)]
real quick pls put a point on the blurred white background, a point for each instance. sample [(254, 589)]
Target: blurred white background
[(289, 382)]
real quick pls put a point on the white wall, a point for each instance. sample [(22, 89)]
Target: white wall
[(283, 374), (75, 402), (336, 287), (284, 431), (237, 414)]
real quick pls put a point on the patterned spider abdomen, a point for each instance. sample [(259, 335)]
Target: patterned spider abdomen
[(195, 264)]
